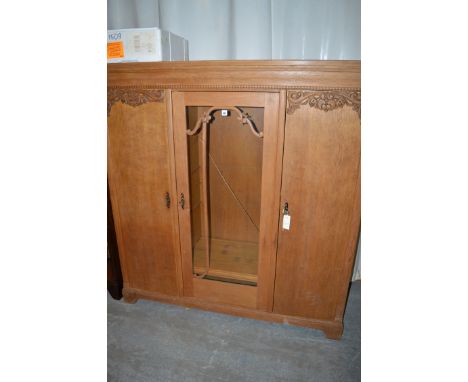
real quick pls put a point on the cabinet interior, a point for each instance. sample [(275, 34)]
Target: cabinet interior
[(225, 194)]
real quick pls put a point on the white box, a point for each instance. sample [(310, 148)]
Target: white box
[(145, 44)]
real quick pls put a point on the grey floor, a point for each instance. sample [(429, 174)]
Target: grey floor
[(149, 341)]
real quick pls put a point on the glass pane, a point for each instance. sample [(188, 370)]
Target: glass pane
[(225, 164)]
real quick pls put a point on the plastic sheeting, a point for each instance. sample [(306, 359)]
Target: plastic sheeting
[(250, 29)]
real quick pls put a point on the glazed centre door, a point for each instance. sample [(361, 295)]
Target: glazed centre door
[(228, 149)]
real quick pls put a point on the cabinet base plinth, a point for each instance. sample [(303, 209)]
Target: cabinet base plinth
[(130, 296), (334, 332), (332, 329)]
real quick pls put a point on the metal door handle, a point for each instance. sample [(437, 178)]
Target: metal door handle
[(182, 200), (168, 200)]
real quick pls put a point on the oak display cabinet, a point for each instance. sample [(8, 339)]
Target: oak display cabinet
[(235, 185)]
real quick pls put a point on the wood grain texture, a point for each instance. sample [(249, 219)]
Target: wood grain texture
[(179, 119), (225, 293), (139, 177), (173, 193), (237, 75), (321, 168), (229, 259), (193, 113), (271, 179)]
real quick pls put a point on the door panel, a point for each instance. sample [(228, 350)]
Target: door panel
[(225, 168), (139, 178), (321, 167)]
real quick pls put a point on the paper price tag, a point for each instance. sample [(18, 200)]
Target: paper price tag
[(286, 221), (115, 49)]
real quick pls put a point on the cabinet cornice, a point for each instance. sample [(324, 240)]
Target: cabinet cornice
[(266, 75)]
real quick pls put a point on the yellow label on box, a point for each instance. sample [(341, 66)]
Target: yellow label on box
[(115, 49)]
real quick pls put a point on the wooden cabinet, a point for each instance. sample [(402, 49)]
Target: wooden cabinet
[(208, 160)]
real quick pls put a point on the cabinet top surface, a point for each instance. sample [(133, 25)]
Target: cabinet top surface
[(349, 65), (268, 74)]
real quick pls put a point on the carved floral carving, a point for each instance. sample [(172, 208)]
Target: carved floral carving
[(325, 100), (132, 96)]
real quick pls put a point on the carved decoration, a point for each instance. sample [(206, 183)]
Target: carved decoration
[(325, 100), (206, 118), (132, 96), (211, 86)]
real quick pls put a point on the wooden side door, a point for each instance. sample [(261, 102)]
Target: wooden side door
[(321, 184), (143, 201)]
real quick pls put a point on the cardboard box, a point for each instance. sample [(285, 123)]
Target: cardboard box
[(145, 44)]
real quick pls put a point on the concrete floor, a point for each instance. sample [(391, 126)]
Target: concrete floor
[(149, 341)]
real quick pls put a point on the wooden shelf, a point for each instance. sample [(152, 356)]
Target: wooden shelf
[(231, 260)]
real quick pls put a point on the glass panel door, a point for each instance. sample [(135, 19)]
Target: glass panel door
[(225, 149), (228, 150)]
